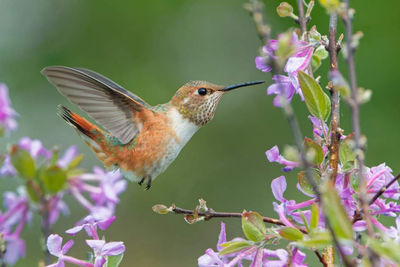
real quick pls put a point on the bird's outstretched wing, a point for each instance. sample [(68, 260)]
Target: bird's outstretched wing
[(105, 101)]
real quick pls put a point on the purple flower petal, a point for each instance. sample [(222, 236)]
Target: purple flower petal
[(67, 246), (113, 248), (221, 237), (96, 245), (54, 242), (74, 230), (278, 186), (103, 225), (68, 156)]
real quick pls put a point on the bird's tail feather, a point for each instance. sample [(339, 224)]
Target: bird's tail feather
[(90, 132)]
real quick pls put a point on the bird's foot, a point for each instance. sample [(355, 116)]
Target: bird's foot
[(148, 183), (141, 181)]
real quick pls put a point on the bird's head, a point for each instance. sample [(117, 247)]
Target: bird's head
[(197, 100)]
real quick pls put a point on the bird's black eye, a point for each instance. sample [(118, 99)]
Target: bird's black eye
[(202, 91)]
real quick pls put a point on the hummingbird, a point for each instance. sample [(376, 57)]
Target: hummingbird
[(139, 139)]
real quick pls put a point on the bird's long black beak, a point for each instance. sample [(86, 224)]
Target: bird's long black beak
[(234, 86)]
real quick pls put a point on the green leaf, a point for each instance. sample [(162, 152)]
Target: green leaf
[(114, 261), (22, 162), (54, 179), (253, 226), (304, 221), (234, 246), (321, 52), (318, 103), (346, 153), (314, 152), (315, 63), (318, 240), (75, 162), (290, 233), (303, 182), (341, 225), (314, 216), (387, 249)]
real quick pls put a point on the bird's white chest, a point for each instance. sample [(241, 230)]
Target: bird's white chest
[(183, 130)]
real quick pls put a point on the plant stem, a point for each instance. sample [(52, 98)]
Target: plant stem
[(335, 100), (358, 146)]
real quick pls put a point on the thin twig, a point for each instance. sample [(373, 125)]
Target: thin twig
[(335, 100), (210, 213), (383, 189), (302, 18), (213, 214)]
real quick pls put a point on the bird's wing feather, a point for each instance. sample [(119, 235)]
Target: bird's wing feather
[(105, 101)]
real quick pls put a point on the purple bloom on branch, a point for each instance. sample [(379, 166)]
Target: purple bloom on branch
[(300, 59), (54, 243), (7, 113), (15, 248), (102, 249), (274, 156), (34, 147), (90, 225)]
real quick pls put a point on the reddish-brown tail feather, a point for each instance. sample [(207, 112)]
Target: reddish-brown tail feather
[(79, 123)]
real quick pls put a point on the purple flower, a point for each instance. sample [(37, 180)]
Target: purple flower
[(319, 126), (274, 156), (102, 249), (54, 243), (286, 86), (7, 169), (15, 248), (34, 147), (17, 213), (7, 113), (286, 207), (111, 185), (211, 258), (268, 51), (57, 206), (298, 258), (68, 156), (377, 177), (283, 87), (103, 188), (90, 225)]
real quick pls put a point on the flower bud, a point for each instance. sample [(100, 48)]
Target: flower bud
[(284, 10)]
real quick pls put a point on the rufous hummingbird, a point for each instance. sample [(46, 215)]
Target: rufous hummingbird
[(142, 140)]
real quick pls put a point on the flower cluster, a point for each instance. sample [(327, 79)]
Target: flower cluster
[(101, 250), (49, 178), (298, 54), (346, 185), (257, 256)]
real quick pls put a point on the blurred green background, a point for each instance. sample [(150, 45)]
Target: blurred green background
[(152, 48)]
